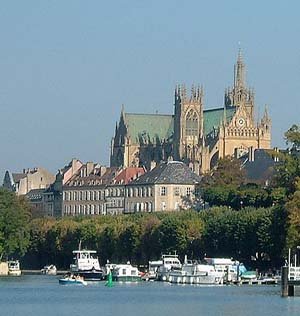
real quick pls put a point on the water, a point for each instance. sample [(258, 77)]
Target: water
[(43, 296)]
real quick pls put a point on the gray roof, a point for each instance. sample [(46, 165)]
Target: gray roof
[(173, 172), (262, 168), (18, 176)]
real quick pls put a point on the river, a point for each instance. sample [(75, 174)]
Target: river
[(43, 296)]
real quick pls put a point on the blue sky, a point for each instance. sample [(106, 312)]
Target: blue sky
[(66, 68)]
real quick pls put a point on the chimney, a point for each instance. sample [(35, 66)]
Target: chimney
[(251, 154), (152, 165), (89, 167)]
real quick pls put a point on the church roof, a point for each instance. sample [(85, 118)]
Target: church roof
[(149, 127), (154, 127), (172, 172), (213, 117)]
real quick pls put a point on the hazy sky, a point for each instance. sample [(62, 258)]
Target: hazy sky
[(66, 67)]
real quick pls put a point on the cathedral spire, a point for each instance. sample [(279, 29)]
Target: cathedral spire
[(239, 71)]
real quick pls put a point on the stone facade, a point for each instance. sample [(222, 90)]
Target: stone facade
[(170, 186), (97, 190), (29, 179), (193, 135), (53, 196)]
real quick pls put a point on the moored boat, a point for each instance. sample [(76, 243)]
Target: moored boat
[(87, 265), (49, 270), (168, 263), (193, 272), (14, 268), (125, 273)]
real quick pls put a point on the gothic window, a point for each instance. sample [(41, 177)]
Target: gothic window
[(191, 124)]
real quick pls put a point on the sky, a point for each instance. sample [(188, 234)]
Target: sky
[(66, 68)]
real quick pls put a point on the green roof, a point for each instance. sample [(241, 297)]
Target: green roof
[(149, 126), (152, 127), (213, 117)]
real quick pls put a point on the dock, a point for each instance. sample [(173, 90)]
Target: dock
[(290, 278), (36, 272)]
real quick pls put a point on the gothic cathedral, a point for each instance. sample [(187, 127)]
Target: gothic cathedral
[(196, 136)]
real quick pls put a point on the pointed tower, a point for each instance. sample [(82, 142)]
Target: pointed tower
[(239, 95), (188, 126)]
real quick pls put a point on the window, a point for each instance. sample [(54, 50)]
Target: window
[(191, 124), (163, 206), (163, 191), (176, 191), (188, 191)]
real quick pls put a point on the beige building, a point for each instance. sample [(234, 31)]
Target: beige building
[(53, 196), (97, 190), (193, 135), (170, 186), (29, 179)]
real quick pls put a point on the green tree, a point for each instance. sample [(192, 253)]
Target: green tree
[(292, 137), (14, 224), (228, 172)]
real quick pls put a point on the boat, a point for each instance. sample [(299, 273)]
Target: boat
[(125, 272), (193, 272), (151, 274), (72, 279), (14, 268), (87, 265), (166, 264), (232, 270), (49, 270)]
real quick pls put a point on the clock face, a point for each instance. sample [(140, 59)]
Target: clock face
[(241, 121)]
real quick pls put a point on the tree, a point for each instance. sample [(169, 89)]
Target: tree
[(292, 136), (228, 172), (14, 224)]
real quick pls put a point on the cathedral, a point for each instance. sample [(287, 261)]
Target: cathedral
[(192, 134)]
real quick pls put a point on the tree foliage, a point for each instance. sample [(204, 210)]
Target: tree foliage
[(14, 220)]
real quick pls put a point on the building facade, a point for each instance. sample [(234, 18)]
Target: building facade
[(193, 135), (170, 186), (29, 179)]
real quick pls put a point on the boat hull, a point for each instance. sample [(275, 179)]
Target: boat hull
[(71, 281), (194, 279), (124, 278), (14, 272), (92, 275)]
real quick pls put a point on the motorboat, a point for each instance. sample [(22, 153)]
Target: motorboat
[(14, 268), (72, 279), (125, 272), (86, 265), (167, 263), (232, 270), (193, 272), (49, 270)]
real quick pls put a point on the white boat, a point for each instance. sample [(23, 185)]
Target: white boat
[(193, 272), (71, 279), (14, 268), (125, 272), (86, 265), (232, 270), (49, 270), (166, 264)]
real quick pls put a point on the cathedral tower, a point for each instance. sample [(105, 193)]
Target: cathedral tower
[(188, 126)]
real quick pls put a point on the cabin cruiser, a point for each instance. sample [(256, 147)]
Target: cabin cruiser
[(193, 272), (14, 268), (125, 272), (86, 265), (232, 270), (167, 263), (49, 270)]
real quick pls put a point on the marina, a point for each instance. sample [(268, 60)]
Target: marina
[(41, 294)]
